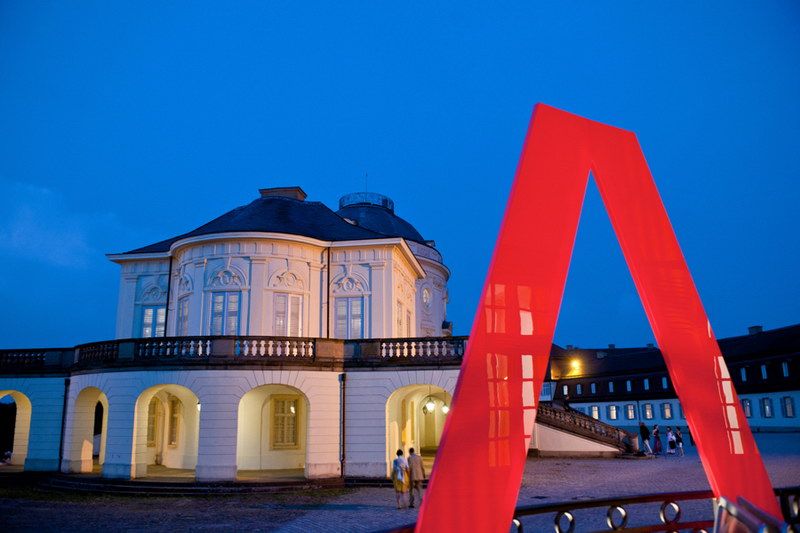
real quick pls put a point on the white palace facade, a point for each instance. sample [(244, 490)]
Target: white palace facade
[(287, 339)]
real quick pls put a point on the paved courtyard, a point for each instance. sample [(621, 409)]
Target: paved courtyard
[(368, 509)]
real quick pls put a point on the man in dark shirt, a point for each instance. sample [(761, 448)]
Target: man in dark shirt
[(645, 434)]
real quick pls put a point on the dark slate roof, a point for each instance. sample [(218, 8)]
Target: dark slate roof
[(610, 361), (277, 214), (381, 220)]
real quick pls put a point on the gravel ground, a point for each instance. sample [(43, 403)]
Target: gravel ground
[(368, 509)]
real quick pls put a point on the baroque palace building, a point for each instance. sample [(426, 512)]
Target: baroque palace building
[(285, 339)]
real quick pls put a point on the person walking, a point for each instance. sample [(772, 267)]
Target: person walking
[(671, 441), (679, 441), (400, 479), (645, 434), (417, 471), (656, 441)]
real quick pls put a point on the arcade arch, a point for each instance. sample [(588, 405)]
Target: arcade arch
[(166, 431), (272, 432), (415, 417), (21, 427)]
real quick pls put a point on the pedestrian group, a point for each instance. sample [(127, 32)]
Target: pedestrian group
[(674, 441)]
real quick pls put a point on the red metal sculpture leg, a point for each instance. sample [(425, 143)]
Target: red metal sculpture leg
[(482, 453)]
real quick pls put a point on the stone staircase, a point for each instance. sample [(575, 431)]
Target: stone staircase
[(577, 423)]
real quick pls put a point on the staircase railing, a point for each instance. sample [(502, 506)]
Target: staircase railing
[(586, 426)]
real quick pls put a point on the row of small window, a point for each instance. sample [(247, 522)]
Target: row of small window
[(288, 316), (665, 381), (628, 386), (764, 373), (767, 411)]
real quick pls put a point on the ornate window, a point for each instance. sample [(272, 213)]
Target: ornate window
[(225, 311), (593, 388), (595, 412), (647, 411), (182, 328), (155, 412), (284, 422), (664, 382), (630, 411), (666, 411), (612, 412), (610, 386), (349, 319), (153, 320), (175, 408), (288, 315), (646, 383)]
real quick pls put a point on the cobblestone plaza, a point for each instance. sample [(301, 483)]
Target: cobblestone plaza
[(370, 509)]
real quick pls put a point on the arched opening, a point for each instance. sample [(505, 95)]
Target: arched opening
[(415, 417), (272, 433), (87, 451), (166, 432), (15, 424)]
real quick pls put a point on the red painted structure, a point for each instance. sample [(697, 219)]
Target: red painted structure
[(482, 453)]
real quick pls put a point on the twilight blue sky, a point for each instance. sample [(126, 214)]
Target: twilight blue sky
[(123, 123)]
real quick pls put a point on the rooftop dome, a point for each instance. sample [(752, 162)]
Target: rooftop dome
[(278, 210), (375, 212)]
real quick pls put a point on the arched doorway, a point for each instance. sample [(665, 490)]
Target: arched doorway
[(415, 417), (15, 410), (87, 449), (166, 432), (272, 433)]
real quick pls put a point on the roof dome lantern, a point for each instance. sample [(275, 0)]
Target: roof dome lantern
[(366, 198)]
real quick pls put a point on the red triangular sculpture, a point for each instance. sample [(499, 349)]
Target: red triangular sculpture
[(480, 462)]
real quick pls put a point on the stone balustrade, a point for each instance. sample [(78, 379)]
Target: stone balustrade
[(237, 350)]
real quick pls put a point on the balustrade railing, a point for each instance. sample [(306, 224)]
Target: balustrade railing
[(98, 352), (22, 359), (582, 424), (289, 347), (424, 347), (171, 347), (242, 349)]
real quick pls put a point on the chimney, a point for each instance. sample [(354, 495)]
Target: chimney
[(569, 346), (295, 193), (650, 345), (752, 330), (612, 346)]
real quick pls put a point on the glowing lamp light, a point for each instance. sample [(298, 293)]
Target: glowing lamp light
[(575, 365), (198, 407), (429, 405), (291, 408), (445, 409)]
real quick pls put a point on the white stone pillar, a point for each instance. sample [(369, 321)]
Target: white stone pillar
[(44, 437), (122, 424), (216, 453), (322, 441)]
